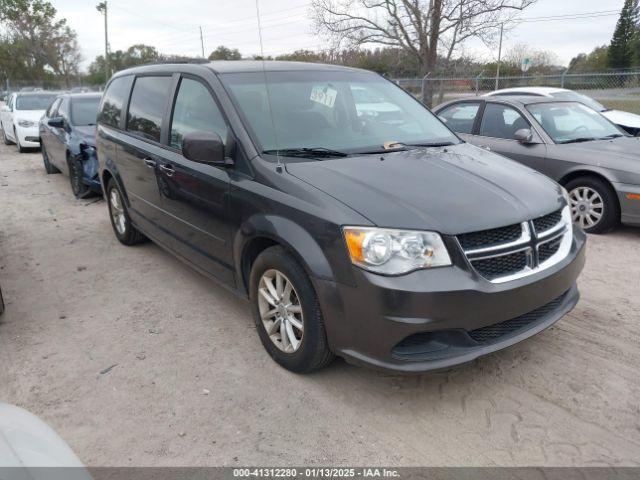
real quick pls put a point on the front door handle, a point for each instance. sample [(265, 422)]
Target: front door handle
[(150, 162), (168, 170)]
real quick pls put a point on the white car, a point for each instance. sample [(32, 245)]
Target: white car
[(30, 449), (630, 122), (20, 116)]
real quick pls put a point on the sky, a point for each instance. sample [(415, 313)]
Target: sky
[(173, 26)]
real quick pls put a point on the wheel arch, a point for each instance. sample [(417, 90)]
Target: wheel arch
[(109, 174), (264, 231), (578, 173)]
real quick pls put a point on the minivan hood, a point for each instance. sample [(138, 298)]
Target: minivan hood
[(625, 119), (450, 190)]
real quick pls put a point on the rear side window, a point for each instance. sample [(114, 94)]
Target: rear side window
[(146, 107), (113, 101), (460, 117)]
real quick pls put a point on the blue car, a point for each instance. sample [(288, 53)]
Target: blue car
[(67, 139)]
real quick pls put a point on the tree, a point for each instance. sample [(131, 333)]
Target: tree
[(621, 51), (421, 28), (540, 61), (38, 44), (224, 53), (137, 54), (596, 61)]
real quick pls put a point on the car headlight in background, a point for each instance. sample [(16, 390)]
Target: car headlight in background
[(565, 194), (394, 252), (26, 123)]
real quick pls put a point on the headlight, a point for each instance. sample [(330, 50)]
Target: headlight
[(565, 194), (87, 150), (26, 123), (394, 252)]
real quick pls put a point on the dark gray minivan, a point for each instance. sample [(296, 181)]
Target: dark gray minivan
[(356, 222)]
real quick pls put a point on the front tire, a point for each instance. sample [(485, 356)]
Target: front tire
[(5, 138), (76, 173), (594, 206), (287, 312), (20, 147), (124, 230)]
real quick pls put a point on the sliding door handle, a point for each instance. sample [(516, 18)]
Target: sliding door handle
[(167, 169), (149, 162)]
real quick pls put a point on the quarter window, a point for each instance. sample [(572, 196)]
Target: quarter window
[(501, 121), (53, 108), (460, 117), (113, 101), (195, 110), (146, 107)]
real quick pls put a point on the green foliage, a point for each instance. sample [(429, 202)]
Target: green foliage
[(120, 59), (621, 50), (224, 53), (596, 61), (34, 45)]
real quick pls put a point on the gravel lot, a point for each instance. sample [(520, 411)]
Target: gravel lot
[(192, 385)]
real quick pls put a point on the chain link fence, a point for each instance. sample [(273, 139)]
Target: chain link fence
[(613, 89)]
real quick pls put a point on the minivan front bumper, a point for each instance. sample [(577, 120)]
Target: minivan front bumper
[(435, 319)]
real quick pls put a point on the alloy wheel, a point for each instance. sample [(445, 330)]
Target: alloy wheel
[(280, 310), (117, 211), (587, 207)]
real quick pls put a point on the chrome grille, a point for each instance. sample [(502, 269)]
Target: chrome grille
[(514, 251)]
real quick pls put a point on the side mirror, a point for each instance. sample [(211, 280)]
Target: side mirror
[(523, 135), (205, 147), (57, 122)]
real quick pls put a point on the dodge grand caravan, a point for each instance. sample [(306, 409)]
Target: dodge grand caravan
[(379, 237)]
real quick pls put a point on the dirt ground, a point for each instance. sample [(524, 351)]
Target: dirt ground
[(136, 360)]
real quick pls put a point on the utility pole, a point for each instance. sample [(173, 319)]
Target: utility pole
[(102, 8), (499, 57), (201, 42)]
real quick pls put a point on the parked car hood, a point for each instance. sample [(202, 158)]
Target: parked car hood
[(33, 115), (451, 190), (621, 154), (625, 119)]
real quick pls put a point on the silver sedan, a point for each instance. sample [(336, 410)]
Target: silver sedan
[(595, 160)]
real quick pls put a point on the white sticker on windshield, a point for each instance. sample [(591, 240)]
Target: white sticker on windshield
[(324, 95)]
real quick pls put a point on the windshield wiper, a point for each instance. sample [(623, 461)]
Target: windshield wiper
[(613, 135), (315, 152), (578, 140)]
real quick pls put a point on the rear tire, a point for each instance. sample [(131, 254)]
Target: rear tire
[(299, 350), (76, 174), (124, 230), (594, 206), (48, 167)]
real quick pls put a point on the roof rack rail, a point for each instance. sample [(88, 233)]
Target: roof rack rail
[(177, 60)]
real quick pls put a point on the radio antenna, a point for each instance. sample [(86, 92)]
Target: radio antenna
[(266, 84)]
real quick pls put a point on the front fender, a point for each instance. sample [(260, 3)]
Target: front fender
[(287, 233), (111, 170)]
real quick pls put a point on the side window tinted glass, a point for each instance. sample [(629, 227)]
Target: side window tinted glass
[(53, 109), (146, 107), (63, 109), (195, 110), (460, 117), (501, 121), (113, 99)]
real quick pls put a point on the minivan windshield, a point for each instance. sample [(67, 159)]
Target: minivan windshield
[(34, 102), (578, 97), (336, 111), (569, 122), (84, 111)]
